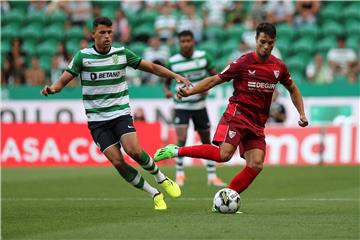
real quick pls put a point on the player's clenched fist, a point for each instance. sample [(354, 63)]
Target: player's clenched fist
[(183, 92), (303, 122), (47, 90)]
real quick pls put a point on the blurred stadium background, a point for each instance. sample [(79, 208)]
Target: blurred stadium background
[(319, 42)]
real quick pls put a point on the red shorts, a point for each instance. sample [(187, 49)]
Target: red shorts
[(236, 129)]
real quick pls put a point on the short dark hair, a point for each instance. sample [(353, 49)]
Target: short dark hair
[(266, 28), (341, 37), (185, 33), (102, 21)]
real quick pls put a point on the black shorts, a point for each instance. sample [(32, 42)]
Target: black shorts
[(200, 118), (109, 132)]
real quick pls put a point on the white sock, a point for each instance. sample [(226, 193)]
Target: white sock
[(211, 169), (180, 174), (176, 151), (179, 168), (150, 189), (159, 177)]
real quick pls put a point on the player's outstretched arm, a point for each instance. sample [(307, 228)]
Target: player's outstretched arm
[(202, 86), (56, 87), (297, 100), (162, 72)]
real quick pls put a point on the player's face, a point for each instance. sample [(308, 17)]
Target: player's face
[(103, 37), (264, 45), (186, 44)]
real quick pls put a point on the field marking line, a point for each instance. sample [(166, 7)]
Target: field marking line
[(179, 199)]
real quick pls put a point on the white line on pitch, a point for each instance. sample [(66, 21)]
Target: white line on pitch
[(180, 199)]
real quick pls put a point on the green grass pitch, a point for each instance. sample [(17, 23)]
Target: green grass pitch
[(315, 202)]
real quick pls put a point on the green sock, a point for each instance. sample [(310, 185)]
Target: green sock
[(181, 143), (132, 176), (147, 163)]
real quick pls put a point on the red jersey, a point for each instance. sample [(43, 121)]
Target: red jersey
[(254, 83)]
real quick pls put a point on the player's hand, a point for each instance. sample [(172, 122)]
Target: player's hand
[(181, 79), (183, 92), (303, 122), (169, 94), (47, 90)]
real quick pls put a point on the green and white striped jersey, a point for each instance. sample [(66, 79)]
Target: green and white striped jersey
[(195, 69), (104, 89)]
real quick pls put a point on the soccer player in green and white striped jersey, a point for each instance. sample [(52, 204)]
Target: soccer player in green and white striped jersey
[(193, 65), (106, 100)]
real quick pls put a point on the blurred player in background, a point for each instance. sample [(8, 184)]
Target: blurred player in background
[(106, 101), (254, 76), (194, 65), (277, 112)]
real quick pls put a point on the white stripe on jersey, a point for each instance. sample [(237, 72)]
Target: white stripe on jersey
[(94, 90), (184, 66), (102, 103), (89, 62), (105, 116)]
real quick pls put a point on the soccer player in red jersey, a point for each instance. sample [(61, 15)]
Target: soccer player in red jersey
[(254, 77)]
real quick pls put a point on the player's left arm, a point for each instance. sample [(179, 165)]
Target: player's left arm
[(162, 72), (298, 102)]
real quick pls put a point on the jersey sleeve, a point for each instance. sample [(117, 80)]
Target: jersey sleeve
[(286, 77), (210, 62), (168, 65), (230, 72), (133, 60), (75, 65)]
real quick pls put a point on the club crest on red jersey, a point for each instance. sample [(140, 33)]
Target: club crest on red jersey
[(276, 73), (232, 134)]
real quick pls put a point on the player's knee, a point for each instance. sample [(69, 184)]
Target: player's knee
[(135, 153), (256, 164), (225, 156)]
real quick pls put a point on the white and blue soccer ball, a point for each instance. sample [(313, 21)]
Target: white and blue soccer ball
[(226, 200)]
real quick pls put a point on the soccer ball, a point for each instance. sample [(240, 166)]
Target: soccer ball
[(226, 200)]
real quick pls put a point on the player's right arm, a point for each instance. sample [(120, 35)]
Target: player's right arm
[(298, 102), (69, 74), (161, 71), (56, 87), (203, 86)]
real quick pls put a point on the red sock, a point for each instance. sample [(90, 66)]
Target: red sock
[(243, 179), (205, 151)]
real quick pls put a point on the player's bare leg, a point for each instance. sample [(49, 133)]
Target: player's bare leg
[(132, 176), (254, 165), (132, 147)]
